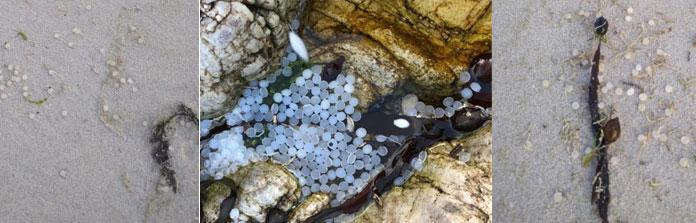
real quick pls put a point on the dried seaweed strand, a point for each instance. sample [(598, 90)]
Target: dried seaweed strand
[(600, 183), (160, 140)]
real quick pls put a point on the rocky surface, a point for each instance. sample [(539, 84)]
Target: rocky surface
[(240, 41), (212, 198), (447, 190), (310, 206), (263, 185), (428, 42)]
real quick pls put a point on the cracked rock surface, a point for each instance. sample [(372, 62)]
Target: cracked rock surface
[(428, 42), (261, 186), (310, 206), (447, 190), (240, 41)]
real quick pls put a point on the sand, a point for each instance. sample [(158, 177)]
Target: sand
[(538, 173), (71, 160)]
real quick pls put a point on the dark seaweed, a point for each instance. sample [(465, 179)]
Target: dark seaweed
[(160, 141), (332, 69), (276, 215), (434, 130), (481, 71), (605, 134)]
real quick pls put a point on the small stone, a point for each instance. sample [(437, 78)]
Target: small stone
[(642, 138), (668, 112), (77, 30), (558, 197), (63, 174), (64, 113), (629, 18), (105, 108), (600, 105), (569, 89), (669, 89), (619, 91), (51, 72), (641, 107), (651, 22), (646, 41), (545, 83), (145, 123), (629, 10), (575, 105), (684, 163), (639, 67), (630, 91), (575, 154), (576, 52), (643, 96), (7, 45), (628, 55), (685, 140)]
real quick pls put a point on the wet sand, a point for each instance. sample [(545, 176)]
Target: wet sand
[(540, 138), (76, 147)]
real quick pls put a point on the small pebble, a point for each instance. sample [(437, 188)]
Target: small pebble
[(651, 22), (684, 163), (63, 173), (668, 112), (629, 10), (685, 140), (639, 67), (600, 105), (630, 91), (643, 96), (619, 91), (145, 123), (64, 113), (642, 138), (669, 89), (628, 56), (646, 41), (568, 89), (641, 107), (105, 108), (51, 72), (576, 52), (575, 105), (629, 18), (116, 117), (545, 83), (7, 45), (32, 115), (77, 30), (558, 197)]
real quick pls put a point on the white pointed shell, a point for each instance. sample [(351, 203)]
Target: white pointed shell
[(298, 46)]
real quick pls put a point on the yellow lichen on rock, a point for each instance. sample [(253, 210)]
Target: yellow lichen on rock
[(433, 40)]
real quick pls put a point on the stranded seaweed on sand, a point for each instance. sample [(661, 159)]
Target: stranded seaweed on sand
[(605, 132), (160, 141)]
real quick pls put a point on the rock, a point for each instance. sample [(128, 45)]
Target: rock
[(429, 42), (447, 190), (212, 198), (262, 186), (240, 42), (310, 206)]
